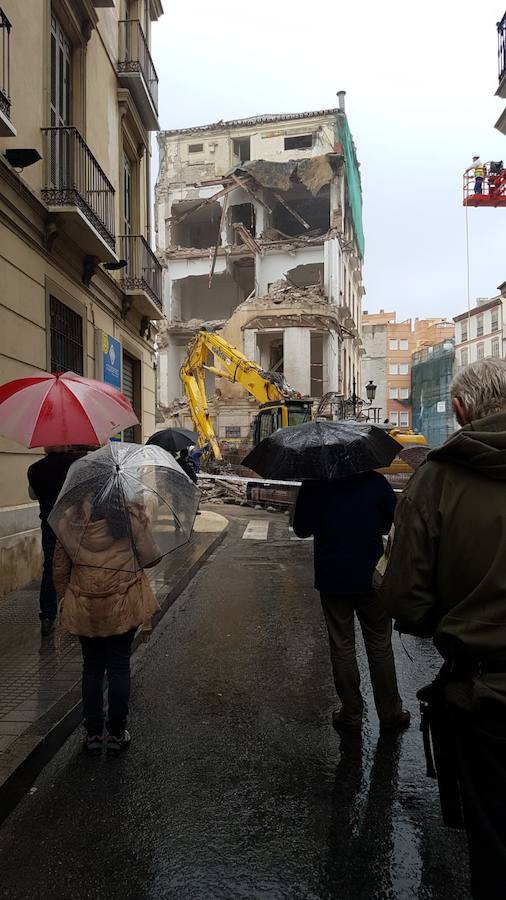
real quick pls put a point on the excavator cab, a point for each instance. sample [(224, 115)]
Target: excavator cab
[(280, 414)]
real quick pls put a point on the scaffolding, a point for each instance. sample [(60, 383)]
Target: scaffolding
[(353, 180), (431, 376)]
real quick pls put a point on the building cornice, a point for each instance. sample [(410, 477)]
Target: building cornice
[(250, 123), (477, 310)]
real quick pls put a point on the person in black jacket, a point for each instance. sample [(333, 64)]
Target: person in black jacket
[(46, 478), (348, 518), (187, 464)]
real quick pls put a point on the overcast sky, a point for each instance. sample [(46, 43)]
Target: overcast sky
[(420, 81)]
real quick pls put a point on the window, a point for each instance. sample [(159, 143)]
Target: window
[(242, 149), (481, 351), (393, 393), (404, 394), (495, 347), (299, 142), (60, 75), (463, 331), (464, 357), (267, 424), (403, 369), (393, 415), (130, 386), (127, 196), (393, 369), (59, 103), (393, 343), (404, 419), (195, 148), (404, 344), (66, 338), (479, 326), (495, 320)]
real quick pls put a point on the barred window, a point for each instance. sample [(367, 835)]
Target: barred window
[(66, 338)]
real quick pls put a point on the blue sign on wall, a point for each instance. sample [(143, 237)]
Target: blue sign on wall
[(112, 361)]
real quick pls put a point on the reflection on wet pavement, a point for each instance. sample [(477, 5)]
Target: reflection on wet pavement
[(236, 785)]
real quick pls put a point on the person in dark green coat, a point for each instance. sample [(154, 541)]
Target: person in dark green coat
[(443, 576)]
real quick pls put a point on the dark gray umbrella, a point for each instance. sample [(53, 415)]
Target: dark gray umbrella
[(173, 439), (415, 455), (322, 450)]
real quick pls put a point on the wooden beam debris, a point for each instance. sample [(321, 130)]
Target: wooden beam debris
[(248, 238), (218, 241), (290, 210), (247, 186), (189, 212)]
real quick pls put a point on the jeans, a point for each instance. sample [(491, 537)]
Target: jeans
[(109, 655), (47, 599), (481, 766), (376, 625)]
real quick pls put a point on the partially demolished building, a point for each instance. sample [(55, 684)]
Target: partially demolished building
[(259, 230)]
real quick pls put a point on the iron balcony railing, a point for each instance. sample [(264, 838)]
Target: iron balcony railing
[(501, 29), (143, 271), (5, 65), (74, 178), (134, 55)]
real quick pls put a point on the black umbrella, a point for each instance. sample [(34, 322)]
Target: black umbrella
[(173, 439), (322, 450)]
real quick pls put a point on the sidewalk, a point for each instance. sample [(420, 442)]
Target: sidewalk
[(40, 690)]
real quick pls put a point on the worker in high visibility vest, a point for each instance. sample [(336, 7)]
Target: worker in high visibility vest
[(479, 174)]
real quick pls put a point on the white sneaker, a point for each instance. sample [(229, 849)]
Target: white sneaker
[(115, 745)]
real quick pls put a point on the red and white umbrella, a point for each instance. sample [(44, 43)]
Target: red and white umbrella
[(47, 410)]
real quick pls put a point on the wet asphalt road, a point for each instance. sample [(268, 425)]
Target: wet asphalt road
[(237, 786)]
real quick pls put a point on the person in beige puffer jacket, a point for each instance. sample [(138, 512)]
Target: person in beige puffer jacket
[(104, 599)]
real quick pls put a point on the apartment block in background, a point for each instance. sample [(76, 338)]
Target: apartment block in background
[(260, 232), (78, 100), (481, 331), (392, 374)]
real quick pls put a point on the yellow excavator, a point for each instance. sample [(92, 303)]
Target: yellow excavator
[(281, 406)]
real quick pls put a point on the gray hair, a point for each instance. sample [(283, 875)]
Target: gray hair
[(481, 388)]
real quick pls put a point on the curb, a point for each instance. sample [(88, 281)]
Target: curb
[(34, 752)]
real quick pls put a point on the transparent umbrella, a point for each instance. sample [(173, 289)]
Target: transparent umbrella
[(124, 507)]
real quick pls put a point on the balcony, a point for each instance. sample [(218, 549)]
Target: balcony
[(141, 280), (501, 30), (6, 127), (78, 193), (137, 72)]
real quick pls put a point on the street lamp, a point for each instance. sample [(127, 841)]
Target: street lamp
[(356, 403)]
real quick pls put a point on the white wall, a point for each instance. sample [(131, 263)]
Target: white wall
[(331, 361), (297, 358), (275, 264), (332, 270)]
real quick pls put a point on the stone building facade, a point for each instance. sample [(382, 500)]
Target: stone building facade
[(79, 91)]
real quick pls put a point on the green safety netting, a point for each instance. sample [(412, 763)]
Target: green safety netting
[(431, 376), (353, 181)]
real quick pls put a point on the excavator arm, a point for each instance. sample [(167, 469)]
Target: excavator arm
[(236, 368)]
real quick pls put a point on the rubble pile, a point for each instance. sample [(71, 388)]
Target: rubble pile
[(223, 491), (282, 293)]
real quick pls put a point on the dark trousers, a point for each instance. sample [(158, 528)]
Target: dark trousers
[(47, 599), (376, 625), (111, 656), (478, 185), (481, 760)]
